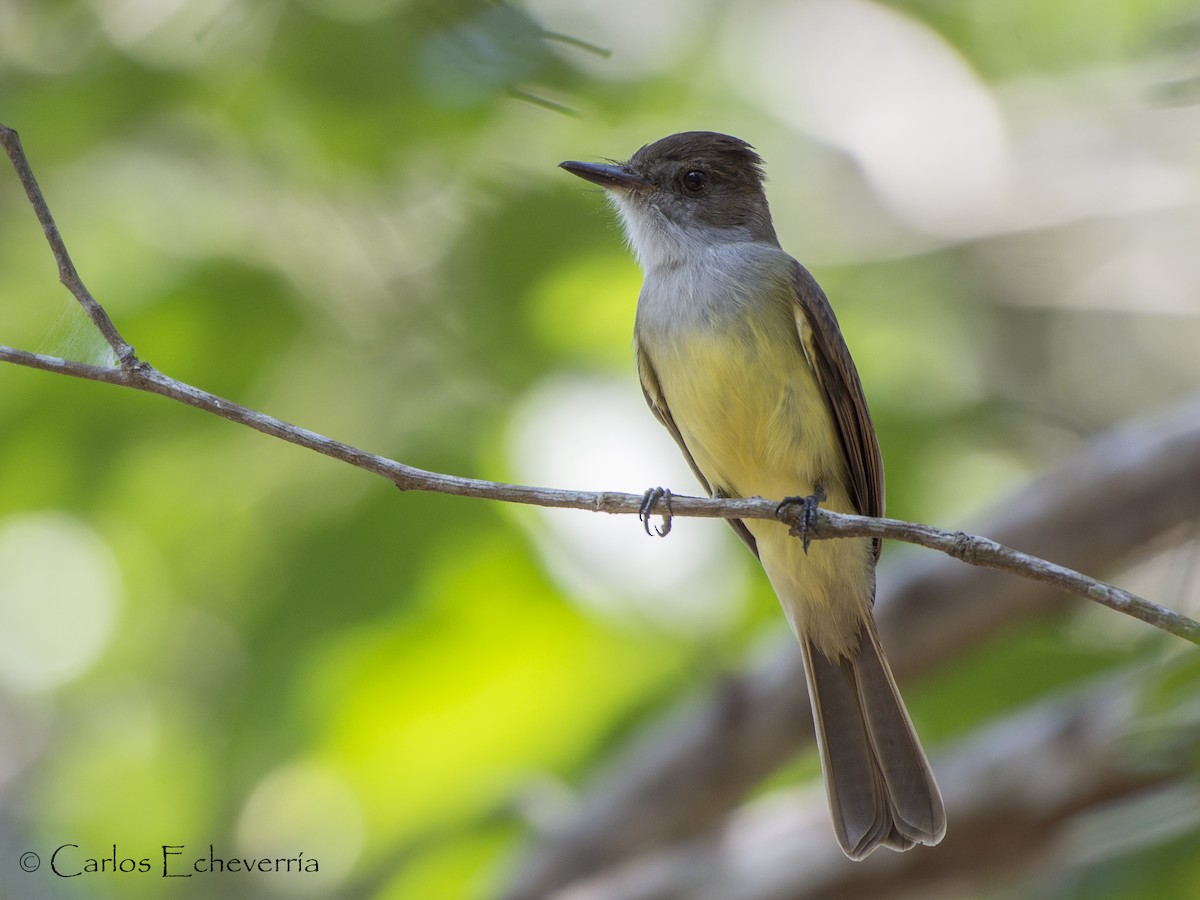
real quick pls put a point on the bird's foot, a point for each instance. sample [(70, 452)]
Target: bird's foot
[(807, 517), (650, 499)]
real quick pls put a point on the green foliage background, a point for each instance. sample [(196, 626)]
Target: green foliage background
[(348, 215)]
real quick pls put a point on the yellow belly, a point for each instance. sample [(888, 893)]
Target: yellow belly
[(755, 419)]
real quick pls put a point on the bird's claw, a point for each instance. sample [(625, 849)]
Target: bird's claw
[(807, 518), (650, 499)]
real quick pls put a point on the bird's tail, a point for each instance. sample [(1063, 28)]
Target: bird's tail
[(881, 789)]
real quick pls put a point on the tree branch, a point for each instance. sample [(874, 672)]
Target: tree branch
[(67, 273), (1018, 789), (978, 551)]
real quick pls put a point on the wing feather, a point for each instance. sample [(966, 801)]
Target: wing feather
[(823, 343)]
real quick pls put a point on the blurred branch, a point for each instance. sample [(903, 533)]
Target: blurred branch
[(135, 373), (1020, 791), (1122, 494)]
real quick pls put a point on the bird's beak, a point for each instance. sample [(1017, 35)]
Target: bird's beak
[(610, 178)]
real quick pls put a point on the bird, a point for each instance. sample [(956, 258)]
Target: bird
[(741, 358)]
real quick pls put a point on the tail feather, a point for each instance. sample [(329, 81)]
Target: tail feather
[(881, 789)]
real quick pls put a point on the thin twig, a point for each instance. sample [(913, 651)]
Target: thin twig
[(139, 375), (67, 273), (978, 551)]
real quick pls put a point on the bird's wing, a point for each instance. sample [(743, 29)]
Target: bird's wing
[(823, 343)]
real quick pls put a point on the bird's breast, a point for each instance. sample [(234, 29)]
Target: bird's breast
[(746, 400)]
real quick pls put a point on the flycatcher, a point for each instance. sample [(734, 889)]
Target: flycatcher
[(741, 358)]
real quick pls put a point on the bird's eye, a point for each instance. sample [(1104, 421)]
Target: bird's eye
[(695, 181)]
